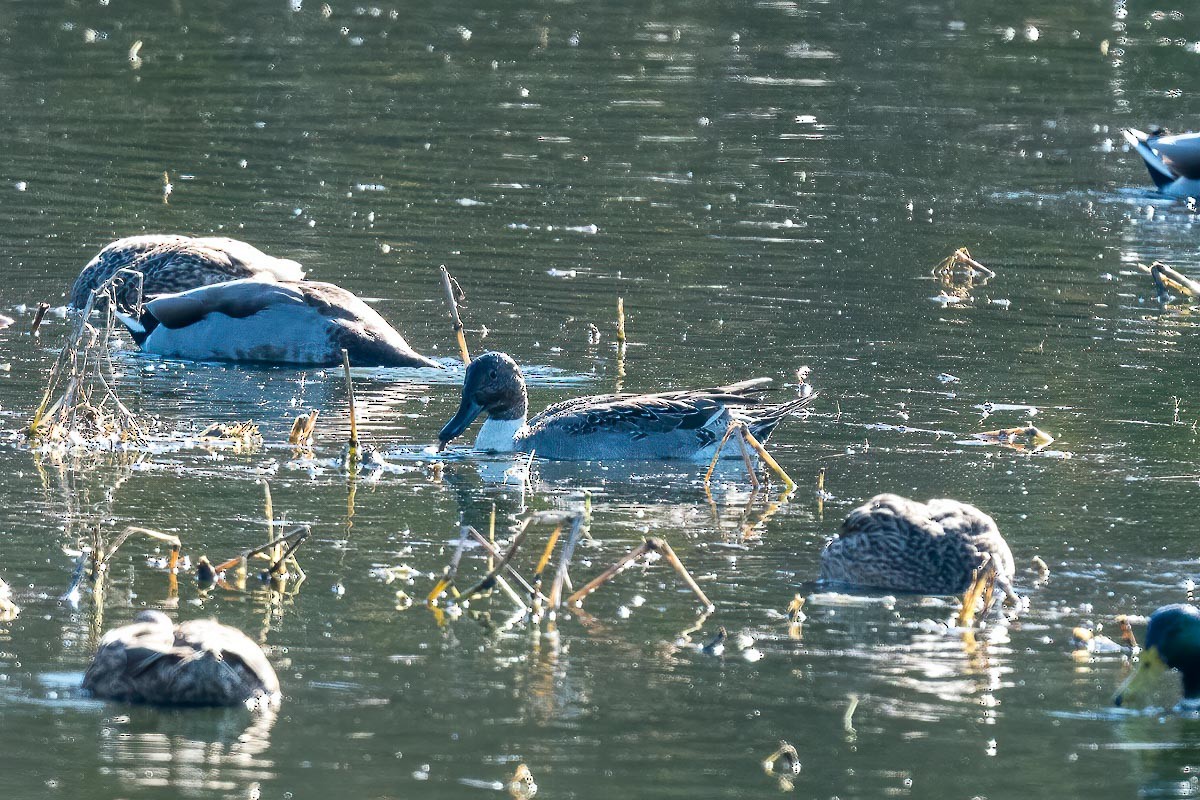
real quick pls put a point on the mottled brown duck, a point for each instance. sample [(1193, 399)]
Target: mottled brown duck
[(896, 544), (194, 663)]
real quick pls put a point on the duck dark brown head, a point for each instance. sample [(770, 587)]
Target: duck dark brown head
[(493, 384)]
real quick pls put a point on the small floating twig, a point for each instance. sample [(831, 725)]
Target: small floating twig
[(1166, 277), (788, 753)]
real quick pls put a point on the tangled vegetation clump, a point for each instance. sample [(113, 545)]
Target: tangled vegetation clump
[(80, 407)]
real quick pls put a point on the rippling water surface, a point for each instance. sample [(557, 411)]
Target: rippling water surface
[(767, 185)]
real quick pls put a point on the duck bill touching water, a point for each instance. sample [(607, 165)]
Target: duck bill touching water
[(1172, 642), (1173, 161), (671, 425), (253, 320), (195, 663)]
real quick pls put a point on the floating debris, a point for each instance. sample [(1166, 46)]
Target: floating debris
[(242, 435), (1168, 278), (135, 60), (301, 434), (789, 755), (79, 407), (8, 609), (652, 545), (1029, 436), (521, 785), (1043, 569), (716, 646)]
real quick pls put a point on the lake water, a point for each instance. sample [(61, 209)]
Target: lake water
[(767, 185)]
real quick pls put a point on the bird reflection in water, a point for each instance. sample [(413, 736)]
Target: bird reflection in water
[(196, 752)]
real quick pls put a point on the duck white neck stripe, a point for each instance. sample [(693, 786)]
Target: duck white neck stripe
[(498, 435)]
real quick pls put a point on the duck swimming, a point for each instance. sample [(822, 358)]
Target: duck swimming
[(896, 544), (195, 663), (1173, 161), (1172, 642), (171, 263), (304, 323), (669, 425)]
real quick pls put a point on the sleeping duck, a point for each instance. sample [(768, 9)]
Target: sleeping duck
[(669, 425), (302, 323), (1173, 161), (1172, 642), (171, 263), (195, 663), (895, 544)]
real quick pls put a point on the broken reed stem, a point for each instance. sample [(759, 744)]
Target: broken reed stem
[(353, 414), (491, 537), (502, 564), (1166, 276), (101, 555), (268, 511), (652, 544), (37, 318), (981, 587), (788, 484), (746, 460), (621, 321), (298, 533), (451, 570), (448, 284), (717, 455), (564, 561), (821, 481), (494, 553), (964, 256)]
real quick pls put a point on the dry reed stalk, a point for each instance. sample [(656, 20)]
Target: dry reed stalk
[(449, 287), (651, 544)]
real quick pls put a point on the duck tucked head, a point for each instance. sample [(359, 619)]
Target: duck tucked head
[(493, 384), (1172, 642)]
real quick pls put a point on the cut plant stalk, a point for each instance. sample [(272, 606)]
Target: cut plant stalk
[(353, 454), (983, 583), (652, 544), (37, 319), (454, 294)]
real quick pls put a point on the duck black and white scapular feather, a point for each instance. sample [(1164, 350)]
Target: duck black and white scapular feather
[(172, 263), (1173, 161), (195, 663), (305, 323), (669, 425), (896, 544)]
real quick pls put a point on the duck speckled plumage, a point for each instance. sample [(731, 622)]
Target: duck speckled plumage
[(171, 263), (896, 544), (669, 425), (304, 323), (196, 663)]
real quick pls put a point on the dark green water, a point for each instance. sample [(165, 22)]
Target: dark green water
[(767, 185)]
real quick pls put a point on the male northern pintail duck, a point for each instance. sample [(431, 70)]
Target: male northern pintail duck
[(171, 263), (896, 544), (676, 425), (1173, 161), (1172, 642), (302, 323), (196, 663)]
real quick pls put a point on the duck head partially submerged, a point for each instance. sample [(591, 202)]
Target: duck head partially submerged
[(195, 663)]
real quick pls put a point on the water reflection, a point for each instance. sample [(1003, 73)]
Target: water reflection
[(195, 752)]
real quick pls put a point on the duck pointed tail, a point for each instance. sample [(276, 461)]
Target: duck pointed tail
[(765, 419), (1160, 173)]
